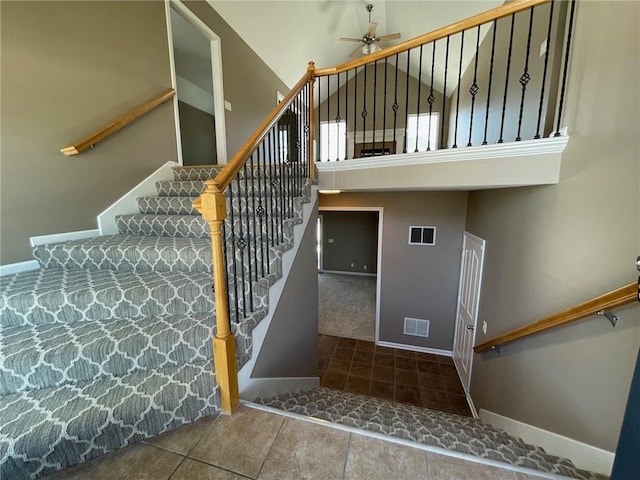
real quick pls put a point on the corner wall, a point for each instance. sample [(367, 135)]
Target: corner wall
[(554, 246)]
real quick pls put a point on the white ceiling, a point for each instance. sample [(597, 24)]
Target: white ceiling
[(286, 35)]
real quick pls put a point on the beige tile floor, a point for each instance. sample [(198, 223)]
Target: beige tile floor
[(257, 444)]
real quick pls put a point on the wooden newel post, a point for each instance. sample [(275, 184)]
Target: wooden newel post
[(311, 69), (212, 205)]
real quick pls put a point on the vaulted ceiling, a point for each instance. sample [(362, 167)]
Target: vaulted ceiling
[(288, 34)]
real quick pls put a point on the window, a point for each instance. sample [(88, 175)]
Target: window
[(424, 129), (333, 141)]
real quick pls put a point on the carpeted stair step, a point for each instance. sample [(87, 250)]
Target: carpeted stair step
[(167, 205), (163, 225), (193, 188), (454, 432), (55, 295), (204, 173), (128, 253), (50, 429), (33, 357)]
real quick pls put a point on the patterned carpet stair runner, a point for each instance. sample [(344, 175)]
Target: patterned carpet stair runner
[(109, 342), (431, 427)]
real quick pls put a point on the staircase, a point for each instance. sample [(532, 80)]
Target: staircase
[(461, 434), (109, 342)]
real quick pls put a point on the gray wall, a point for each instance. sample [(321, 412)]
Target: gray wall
[(197, 129), (416, 281), (249, 84), (355, 240), (69, 68), (514, 91), (551, 247), (291, 345)]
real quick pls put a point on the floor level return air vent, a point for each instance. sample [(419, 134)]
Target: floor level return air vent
[(416, 327)]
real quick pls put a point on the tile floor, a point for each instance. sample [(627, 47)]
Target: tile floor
[(256, 444), (420, 379)]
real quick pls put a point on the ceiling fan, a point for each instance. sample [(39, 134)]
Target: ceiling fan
[(369, 41)]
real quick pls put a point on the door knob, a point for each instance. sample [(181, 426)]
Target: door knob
[(469, 327)]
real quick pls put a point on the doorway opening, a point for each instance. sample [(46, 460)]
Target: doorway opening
[(349, 246), (196, 64)]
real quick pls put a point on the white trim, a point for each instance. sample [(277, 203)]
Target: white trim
[(246, 383), (63, 237), (421, 227), (216, 75), (380, 211), (472, 406), (266, 387), (12, 268), (402, 441), (127, 203), (415, 348), (482, 152), (581, 454), (349, 273)]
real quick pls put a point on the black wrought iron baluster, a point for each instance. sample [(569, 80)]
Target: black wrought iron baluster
[(307, 128), (247, 246), (262, 209), (275, 185), (355, 110), (493, 52), (241, 243), (328, 118), (431, 98), (444, 90), (455, 135), (225, 253), (473, 90), (395, 105), (384, 103), (259, 237), (346, 114), (375, 91), (406, 103), (566, 67), (338, 119), (506, 80), (544, 71), (318, 121), (232, 239), (364, 106), (525, 77), (418, 102)]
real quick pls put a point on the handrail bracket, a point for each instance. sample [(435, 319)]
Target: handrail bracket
[(612, 317)]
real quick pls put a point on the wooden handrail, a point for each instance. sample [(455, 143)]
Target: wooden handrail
[(231, 169), (117, 124), (457, 27), (613, 299)]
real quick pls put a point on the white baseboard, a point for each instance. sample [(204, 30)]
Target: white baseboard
[(582, 455), (339, 272), (12, 268), (267, 387), (63, 237), (127, 203), (402, 346), (246, 384)]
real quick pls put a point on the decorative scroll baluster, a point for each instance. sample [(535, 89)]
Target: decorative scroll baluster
[(506, 80), (394, 107), (329, 119), (355, 112), (444, 98), (246, 242), (493, 51), (473, 90), (276, 181), (262, 210), (431, 98), (256, 192), (418, 101), (364, 112), (338, 119), (525, 77), (406, 103), (375, 91), (346, 114), (455, 135), (234, 264), (566, 68), (241, 243), (544, 71), (384, 104)]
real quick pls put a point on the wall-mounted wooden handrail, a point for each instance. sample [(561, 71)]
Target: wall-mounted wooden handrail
[(457, 27), (117, 124), (613, 299), (228, 173)]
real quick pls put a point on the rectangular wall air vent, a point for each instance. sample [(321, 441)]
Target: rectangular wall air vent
[(422, 235), (416, 327)]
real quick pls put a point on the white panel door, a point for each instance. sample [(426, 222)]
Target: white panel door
[(467, 309)]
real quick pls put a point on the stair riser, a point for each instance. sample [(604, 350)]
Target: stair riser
[(47, 430), (59, 354), (257, 170)]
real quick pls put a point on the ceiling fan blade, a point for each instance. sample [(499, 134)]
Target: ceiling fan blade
[(355, 52), (347, 39), (389, 37), (371, 31)]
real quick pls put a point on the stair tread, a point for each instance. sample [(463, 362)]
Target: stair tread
[(40, 356)]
